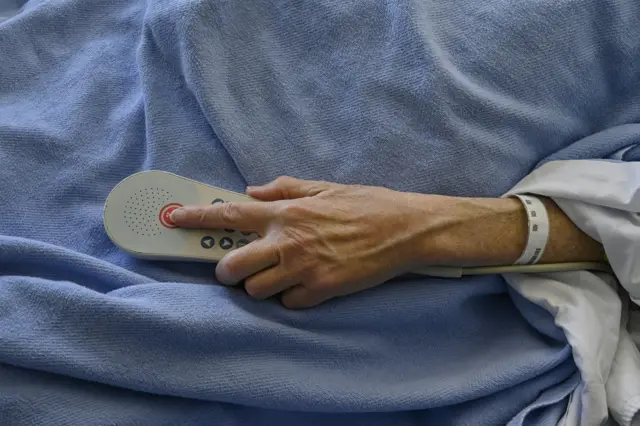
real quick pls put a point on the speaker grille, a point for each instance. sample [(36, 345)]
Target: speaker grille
[(141, 211)]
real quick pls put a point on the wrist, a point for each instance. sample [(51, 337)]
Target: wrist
[(469, 232), (475, 232)]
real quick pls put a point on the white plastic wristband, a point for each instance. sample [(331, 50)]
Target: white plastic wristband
[(538, 230)]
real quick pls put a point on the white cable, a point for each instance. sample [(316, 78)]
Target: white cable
[(538, 234), (457, 272)]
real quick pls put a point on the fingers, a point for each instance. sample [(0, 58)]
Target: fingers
[(300, 297), (287, 188), (239, 216), (269, 282), (246, 261)]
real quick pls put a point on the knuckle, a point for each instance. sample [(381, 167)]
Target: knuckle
[(297, 246), (293, 210), (253, 289), (202, 215), (229, 212), (229, 266), (320, 282), (283, 184), (307, 262), (324, 280), (283, 180), (290, 303), (227, 271)]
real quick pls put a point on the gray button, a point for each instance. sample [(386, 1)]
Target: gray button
[(226, 243), (207, 242)]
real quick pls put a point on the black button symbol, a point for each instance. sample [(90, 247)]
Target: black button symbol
[(207, 242), (226, 243), (217, 200), (246, 233), (242, 243), (229, 230)]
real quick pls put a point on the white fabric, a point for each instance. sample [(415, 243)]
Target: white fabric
[(597, 312)]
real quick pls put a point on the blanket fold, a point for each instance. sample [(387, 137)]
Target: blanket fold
[(458, 97)]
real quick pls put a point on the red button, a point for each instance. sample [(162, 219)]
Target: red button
[(165, 215)]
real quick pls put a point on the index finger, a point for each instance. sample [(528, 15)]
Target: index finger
[(246, 217)]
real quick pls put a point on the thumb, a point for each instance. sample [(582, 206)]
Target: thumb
[(287, 188)]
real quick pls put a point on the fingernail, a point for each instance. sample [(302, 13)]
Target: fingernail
[(178, 214), (250, 188)]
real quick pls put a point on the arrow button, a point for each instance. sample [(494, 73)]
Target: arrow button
[(226, 243), (207, 242)]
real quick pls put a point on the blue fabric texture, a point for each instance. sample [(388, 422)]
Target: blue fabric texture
[(458, 97), (9, 8)]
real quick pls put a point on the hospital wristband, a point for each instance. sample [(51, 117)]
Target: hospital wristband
[(538, 221)]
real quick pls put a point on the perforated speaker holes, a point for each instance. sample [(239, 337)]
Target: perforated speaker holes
[(142, 209)]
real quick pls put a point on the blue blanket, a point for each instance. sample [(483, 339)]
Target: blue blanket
[(459, 97)]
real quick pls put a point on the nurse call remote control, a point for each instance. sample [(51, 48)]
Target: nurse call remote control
[(137, 218)]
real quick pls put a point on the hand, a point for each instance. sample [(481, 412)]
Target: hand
[(321, 240), (318, 240)]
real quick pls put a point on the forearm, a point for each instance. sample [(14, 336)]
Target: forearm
[(494, 231)]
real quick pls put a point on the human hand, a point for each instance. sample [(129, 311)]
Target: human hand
[(318, 240)]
